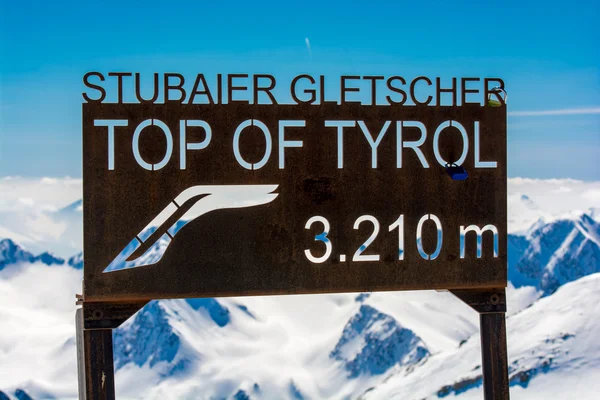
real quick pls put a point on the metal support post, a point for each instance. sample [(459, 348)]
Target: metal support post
[(100, 373), (491, 306), (494, 356), (95, 323)]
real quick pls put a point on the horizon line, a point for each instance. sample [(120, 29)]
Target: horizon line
[(563, 111)]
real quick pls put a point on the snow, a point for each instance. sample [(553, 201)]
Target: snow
[(43, 213), (556, 253), (279, 340), (37, 341), (373, 342), (396, 345), (554, 339), (530, 200)]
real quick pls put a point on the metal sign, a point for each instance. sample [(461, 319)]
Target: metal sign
[(197, 200), (241, 198)]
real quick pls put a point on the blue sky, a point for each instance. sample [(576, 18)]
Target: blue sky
[(546, 52)]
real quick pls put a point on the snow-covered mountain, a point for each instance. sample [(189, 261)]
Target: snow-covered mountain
[(59, 232), (402, 345), (42, 214), (12, 253), (553, 346), (555, 253), (373, 342)]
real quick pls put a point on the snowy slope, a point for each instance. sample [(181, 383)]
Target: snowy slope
[(287, 347), (326, 346), (556, 253), (37, 341), (554, 353), (342, 346)]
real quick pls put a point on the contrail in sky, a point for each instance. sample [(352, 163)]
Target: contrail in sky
[(564, 111), (308, 47)]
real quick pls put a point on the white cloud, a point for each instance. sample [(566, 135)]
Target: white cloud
[(563, 189), (27, 215), (49, 181), (28, 201), (45, 193), (308, 47), (564, 111), (548, 199), (593, 195), (529, 181), (37, 345)]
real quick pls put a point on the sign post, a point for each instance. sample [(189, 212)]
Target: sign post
[(491, 306), (233, 199)]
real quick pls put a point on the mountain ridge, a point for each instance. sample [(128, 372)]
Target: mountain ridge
[(12, 253)]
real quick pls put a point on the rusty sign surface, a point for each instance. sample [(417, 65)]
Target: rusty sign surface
[(184, 200)]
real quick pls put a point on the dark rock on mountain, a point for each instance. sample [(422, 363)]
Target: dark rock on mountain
[(295, 393), (460, 386), (49, 259), (373, 342), (241, 395), (12, 253), (218, 313), (556, 253), (149, 338), (76, 261), (22, 395)]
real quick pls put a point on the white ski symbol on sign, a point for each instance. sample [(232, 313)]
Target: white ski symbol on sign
[(207, 198)]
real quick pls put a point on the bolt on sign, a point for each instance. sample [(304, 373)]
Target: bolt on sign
[(194, 187)]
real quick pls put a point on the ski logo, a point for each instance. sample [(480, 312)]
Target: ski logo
[(149, 246)]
